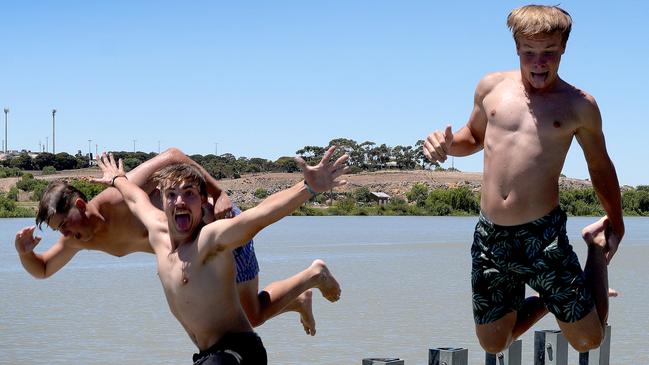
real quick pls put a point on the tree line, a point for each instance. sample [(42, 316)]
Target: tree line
[(366, 156)]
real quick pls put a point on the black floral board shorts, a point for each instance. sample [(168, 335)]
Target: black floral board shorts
[(505, 258)]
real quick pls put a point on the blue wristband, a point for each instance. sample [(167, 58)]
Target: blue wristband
[(309, 189)]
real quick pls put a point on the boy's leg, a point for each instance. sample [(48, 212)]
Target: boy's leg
[(291, 294), (588, 332)]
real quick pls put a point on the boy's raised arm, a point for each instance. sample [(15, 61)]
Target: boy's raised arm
[(237, 231), (135, 198)]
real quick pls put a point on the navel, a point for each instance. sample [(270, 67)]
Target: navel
[(493, 112)]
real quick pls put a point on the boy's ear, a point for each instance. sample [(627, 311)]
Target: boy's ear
[(80, 204)]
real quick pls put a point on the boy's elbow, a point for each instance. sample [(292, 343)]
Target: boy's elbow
[(173, 154)]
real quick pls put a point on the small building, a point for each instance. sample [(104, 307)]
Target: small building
[(381, 197)]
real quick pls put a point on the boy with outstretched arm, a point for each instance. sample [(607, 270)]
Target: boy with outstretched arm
[(194, 260)]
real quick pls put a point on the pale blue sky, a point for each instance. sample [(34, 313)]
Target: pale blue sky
[(265, 78)]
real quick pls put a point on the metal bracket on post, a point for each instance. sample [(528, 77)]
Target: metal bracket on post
[(550, 348), (383, 361), (448, 356), (512, 356), (600, 355)]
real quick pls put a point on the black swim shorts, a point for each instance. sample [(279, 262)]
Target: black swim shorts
[(505, 258), (243, 348)]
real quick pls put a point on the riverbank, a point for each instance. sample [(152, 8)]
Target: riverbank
[(245, 190)]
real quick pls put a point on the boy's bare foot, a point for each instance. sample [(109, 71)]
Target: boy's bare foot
[(595, 233), (326, 282), (305, 308)]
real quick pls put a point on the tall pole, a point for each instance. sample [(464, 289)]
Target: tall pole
[(89, 152), (53, 131), (6, 112), (47, 143)]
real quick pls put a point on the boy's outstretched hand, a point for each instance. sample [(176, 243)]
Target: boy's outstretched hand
[(322, 177), (110, 168)]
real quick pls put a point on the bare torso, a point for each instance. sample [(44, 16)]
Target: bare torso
[(526, 139), (120, 233), (201, 295)]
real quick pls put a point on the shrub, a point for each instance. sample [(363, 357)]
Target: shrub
[(49, 170), (418, 194), (261, 193), (363, 195), (28, 183), (89, 189)]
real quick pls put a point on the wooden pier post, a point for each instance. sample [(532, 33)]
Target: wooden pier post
[(550, 348), (448, 356), (512, 356), (383, 361), (600, 355)]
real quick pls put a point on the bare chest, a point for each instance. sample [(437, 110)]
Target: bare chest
[(548, 119)]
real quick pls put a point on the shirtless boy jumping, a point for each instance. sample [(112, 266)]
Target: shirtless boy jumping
[(195, 262), (106, 224), (525, 121)]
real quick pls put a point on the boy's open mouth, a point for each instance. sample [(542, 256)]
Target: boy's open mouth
[(539, 77), (183, 220)]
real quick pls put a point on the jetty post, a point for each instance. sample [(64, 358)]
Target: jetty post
[(448, 356), (383, 361)]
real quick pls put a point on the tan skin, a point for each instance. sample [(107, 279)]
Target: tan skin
[(525, 121), (195, 261), (106, 224)]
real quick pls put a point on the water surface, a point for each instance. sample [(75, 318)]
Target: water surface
[(405, 289)]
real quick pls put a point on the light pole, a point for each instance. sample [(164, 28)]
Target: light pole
[(89, 152), (53, 131), (6, 112)]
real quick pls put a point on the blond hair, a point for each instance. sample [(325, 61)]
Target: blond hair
[(178, 173), (533, 20)]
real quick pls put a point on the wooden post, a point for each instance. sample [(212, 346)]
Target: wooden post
[(512, 356), (383, 361), (448, 356), (600, 355), (550, 348)]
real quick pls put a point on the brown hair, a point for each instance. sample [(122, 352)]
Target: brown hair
[(58, 197), (178, 173), (533, 20)]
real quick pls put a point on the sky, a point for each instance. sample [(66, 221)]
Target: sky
[(266, 78)]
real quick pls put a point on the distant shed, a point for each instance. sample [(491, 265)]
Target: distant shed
[(380, 197)]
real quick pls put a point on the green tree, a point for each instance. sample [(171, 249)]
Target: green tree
[(23, 161)]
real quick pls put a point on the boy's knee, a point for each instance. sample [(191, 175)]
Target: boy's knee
[(588, 341), (494, 344)]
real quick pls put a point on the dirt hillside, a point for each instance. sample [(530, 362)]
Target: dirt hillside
[(393, 183)]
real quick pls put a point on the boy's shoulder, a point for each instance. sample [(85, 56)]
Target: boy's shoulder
[(490, 81), (580, 101)]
